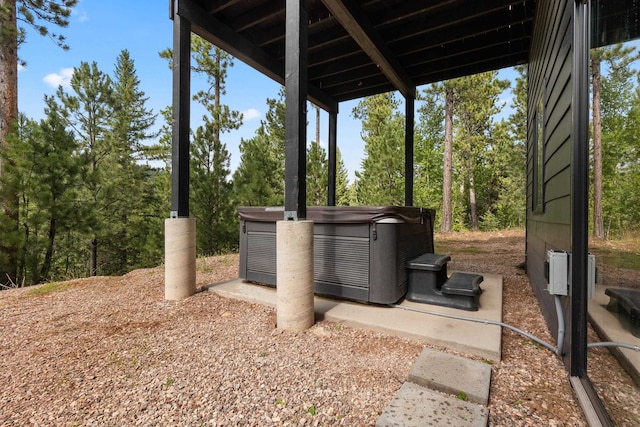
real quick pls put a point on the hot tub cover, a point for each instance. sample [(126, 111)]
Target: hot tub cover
[(342, 214)]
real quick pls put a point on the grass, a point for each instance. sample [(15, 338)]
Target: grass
[(450, 248), (48, 288), (619, 258)]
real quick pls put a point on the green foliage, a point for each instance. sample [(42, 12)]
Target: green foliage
[(38, 15), (49, 288), (134, 222), (428, 152), (475, 105), (620, 126), (343, 195), (43, 170), (381, 180), (259, 179), (317, 175), (210, 189)]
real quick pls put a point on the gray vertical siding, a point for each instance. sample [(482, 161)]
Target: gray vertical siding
[(550, 68)]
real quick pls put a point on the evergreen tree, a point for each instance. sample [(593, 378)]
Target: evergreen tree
[(317, 175), (476, 102), (131, 221), (429, 151), (503, 175), (88, 111), (381, 181), (343, 196), (447, 168), (210, 186), (259, 179), (612, 105), (39, 15), (518, 119), (43, 170)]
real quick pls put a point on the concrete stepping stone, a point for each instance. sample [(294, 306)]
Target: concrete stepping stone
[(452, 374), (416, 406)]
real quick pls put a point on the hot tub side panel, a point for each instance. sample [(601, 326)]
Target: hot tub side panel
[(392, 246), (362, 261), (258, 252), (341, 260)]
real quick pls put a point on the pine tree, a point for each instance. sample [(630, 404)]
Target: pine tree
[(503, 176), (317, 169), (259, 179), (44, 172), (343, 196), (475, 104), (211, 189), (429, 149), (88, 111), (131, 222), (317, 175), (447, 169), (37, 14), (612, 95), (381, 181)]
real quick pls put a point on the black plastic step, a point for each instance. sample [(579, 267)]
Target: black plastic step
[(464, 284)]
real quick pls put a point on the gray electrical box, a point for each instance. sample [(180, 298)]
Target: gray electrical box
[(591, 276), (558, 272)]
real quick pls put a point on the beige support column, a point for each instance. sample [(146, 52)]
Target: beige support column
[(179, 258), (294, 242)]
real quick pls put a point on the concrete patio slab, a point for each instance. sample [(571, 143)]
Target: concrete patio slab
[(416, 406), (479, 339), (448, 373), (614, 327)]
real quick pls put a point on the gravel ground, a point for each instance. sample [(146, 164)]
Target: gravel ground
[(109, 351)]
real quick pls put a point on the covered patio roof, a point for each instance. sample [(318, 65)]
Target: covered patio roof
[(361, 48)]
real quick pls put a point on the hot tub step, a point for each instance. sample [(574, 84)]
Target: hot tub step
[(463, 284)]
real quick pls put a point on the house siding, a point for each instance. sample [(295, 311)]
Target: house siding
[(549, 74)]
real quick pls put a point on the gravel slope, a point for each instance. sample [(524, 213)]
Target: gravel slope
[(109, 351)]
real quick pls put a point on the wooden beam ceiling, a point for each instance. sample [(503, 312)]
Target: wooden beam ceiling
[(356, 23)]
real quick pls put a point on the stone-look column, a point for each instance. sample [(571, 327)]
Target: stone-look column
[(180, 258), (294, 270)]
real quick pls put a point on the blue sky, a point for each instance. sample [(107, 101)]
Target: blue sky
[(99, 30)]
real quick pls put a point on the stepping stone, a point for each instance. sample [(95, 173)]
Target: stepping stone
[(416, 406), (452, 374)]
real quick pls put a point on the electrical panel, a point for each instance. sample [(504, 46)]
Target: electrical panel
[(558, 262), (591, 276), (559, 271)]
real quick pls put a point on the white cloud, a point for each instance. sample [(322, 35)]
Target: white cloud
[(82, 16), (20, 67), (251, 114), (79, 13), (63, 78)]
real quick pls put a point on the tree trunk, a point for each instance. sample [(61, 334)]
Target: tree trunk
[(472, 196), (46, 264), (8, 71), (8, 117), (317, 125), (217, 90), (598, 220), (447, 212), (93, 258)]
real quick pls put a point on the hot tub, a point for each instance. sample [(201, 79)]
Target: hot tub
[(360, 252)]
